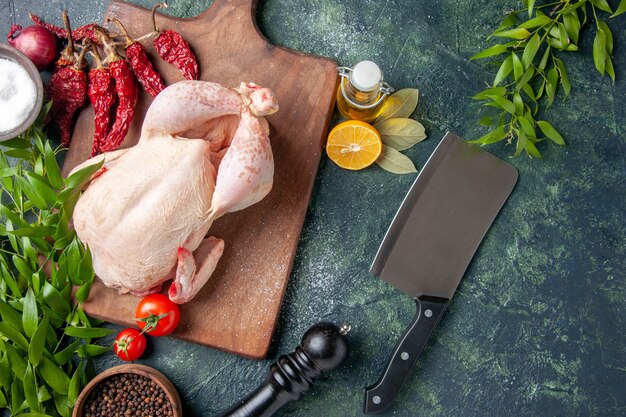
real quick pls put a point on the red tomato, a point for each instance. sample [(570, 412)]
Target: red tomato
[(129, 344), (157, 315)]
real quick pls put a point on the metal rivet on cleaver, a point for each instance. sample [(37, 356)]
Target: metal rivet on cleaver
[(432, 240)]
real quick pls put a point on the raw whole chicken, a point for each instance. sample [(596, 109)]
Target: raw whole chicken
[(204, 151)]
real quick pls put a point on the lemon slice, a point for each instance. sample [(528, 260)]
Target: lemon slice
[(354, 145)]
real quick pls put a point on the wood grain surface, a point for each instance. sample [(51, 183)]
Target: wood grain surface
[(238, 308)]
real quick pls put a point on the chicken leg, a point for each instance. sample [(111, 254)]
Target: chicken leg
[(194, 271)]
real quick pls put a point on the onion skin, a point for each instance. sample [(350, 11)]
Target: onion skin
[(37, 43)]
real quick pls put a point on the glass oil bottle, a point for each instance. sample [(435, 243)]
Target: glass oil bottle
[(362, 91)]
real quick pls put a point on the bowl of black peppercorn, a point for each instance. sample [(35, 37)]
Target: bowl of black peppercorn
[(129, 390)]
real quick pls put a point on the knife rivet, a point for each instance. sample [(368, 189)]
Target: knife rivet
[(404, 356), (376, 399), (428, 313)]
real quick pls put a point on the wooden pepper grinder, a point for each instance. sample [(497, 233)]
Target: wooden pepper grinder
[(323, 348)]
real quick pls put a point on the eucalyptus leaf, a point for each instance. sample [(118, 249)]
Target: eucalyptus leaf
[(53, 298), (505, 69), (599, 51), (62, 404), (518, 33), (38, 342), (79, 178), (531, 149), (518, 67), (530, 50), (6, 378), (528, 75), (531, 6), (3, 401), (65, 355), (17, 361), (399, 133), (393, 161), (53, 171), (608, 34), (527, 127), (486, 121), (94, 332), (563, 75), (509, 20), (42, 188), (14, 335), (608, 67), (544, 58), (537, 21), (550, 132), (551, 84), (90, 350), (602, 5), (30, 389), (491, 51), (400, 104), (54, 376), (74, 387), (563, 37), (572, 25), (17, 396), (494, 136), (491, 91), (30, 315), (504, 104), (10, 316), (519, 104), (620, 9)]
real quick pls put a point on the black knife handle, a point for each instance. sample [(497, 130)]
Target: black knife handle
[(380, 395), (323, 348)]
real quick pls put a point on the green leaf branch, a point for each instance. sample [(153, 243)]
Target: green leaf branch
[(41, 259), (530, 70)]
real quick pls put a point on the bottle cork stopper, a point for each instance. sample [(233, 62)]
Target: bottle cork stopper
[(366, 76)]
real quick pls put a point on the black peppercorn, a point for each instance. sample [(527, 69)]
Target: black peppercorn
[(127, 395)]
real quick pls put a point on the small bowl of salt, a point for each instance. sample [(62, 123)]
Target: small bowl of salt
[(21, 92)]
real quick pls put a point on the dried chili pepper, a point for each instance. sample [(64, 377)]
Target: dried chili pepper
[(80, 33), (127, 92), (102, 97), (68, 87), (139, 61), (175, 50)]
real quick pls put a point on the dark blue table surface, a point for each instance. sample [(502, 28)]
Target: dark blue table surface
[(537, 327)]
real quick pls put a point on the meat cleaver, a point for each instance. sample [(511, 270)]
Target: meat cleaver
[(431, 241)]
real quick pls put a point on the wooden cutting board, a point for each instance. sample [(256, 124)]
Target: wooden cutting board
[(238, 309)]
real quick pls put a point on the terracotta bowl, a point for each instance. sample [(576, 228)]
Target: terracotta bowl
[(12, 54), (143, 370)]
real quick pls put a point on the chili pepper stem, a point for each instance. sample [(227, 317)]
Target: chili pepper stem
[(66, 23), (154, 9), (124, 33), (94, 52)]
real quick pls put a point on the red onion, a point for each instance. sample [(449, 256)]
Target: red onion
[(36, 42)]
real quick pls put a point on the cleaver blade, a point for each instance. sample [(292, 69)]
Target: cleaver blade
[(432, 240)]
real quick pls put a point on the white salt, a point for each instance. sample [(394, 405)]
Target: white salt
[(17, 95)]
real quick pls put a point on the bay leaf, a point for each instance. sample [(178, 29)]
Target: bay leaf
[(402, 103), (395, 162), (400, 133)]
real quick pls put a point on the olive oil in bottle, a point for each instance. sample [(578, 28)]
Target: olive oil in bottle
[(362, 91)]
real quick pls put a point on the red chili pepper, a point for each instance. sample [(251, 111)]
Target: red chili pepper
[(127, 92), (175, 50), (80, 33), (139, 61), (67, 88), (102, 97), (57, 31)]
